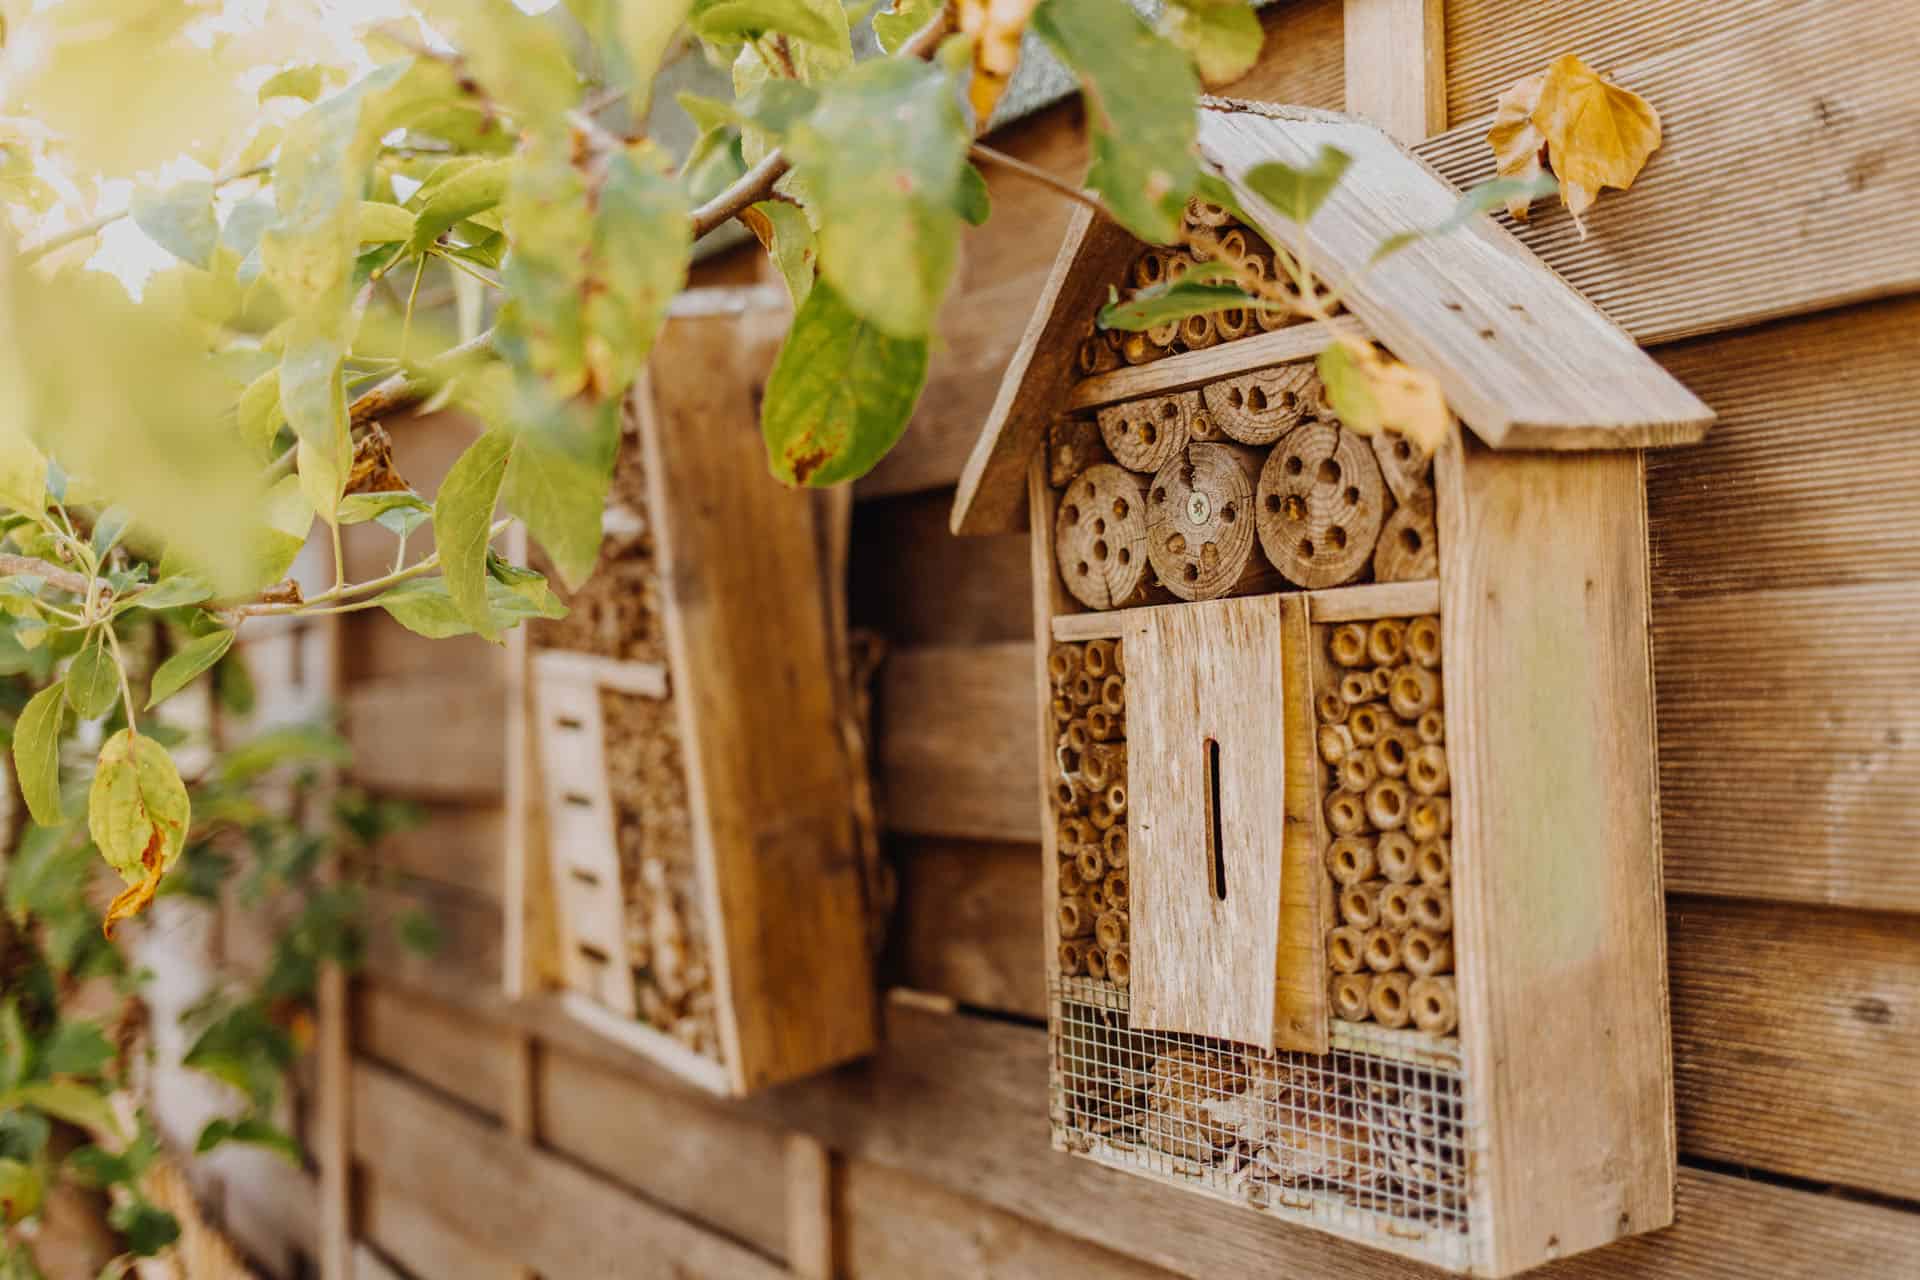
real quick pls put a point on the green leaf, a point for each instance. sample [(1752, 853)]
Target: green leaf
[(901, 20), (974, 202), (249, 1131), (883, 157), (258, 414), (23, 470), (246, 1049), (706, 113), (776, 106), (726, 21), (264, 752), (641, 245), (177, 672), (108, 529), (418, 932), (462, 520), (1298, 192), (840, 394), (75, 1049), (305, 83), (473, 188), (21, 1190), (519, 59), (1167, 302), (16, 1045), (36, 752), (788, 236), (1141, 99), (1223, 39), (93, 679), (180, 220), (1484, 198), (68, 1100), (642, 33), (172, 592), (424, 607), (146, 1229), (138, 814), (360, 507), (557, 483), (378, 222)]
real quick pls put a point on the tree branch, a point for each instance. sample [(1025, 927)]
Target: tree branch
[(72, 235), (52, 574), (1034, 173)]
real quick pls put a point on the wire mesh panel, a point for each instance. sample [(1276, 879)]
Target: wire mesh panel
[(1370, 1140)]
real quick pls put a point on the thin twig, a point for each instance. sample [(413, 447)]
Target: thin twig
[(1034, 173), (61, 239), (53, 575)]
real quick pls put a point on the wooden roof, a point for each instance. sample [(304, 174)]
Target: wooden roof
[(1525, 361)]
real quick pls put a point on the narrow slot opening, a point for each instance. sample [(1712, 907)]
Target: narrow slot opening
[(569, 722), (1216, 845), (594, 953), (575, 798), (585, 876)]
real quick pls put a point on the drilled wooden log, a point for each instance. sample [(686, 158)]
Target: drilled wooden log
[(1436, 1008), (1408, 549), (1433, 862), (1099, 535), (1390, 1000), (1427, 952), (1144, 435), (1349, 995), (1404, 465), (1203, 427), (1427, 770), (1073, 445), (1396, 855), (1350, 860), (1346, 949), (1260, 407), (1200, 527), (1322, 505), (1381, 950), (1423, 640)]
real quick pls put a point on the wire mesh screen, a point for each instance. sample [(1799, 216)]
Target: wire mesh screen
[(1370, 1140)]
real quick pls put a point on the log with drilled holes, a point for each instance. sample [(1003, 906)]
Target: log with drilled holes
[(1322, 505)]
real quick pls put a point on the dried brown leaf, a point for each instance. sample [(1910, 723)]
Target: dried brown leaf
[(995, 26)]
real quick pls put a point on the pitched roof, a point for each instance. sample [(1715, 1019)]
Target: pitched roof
[(1524, 360)]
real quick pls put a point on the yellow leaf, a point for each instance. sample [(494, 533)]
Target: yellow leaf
[(1372, 392), (1598, 134), (995, 27), (1516, 140)]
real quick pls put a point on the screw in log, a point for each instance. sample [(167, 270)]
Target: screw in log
[(1408, 549), (1200, 526), (1433, 862), (1390, 1001), (1427, 952), (1397, 855), (1436, 1009), (1322, 505), (1258, 408), (1144, 435), (1349, 993)]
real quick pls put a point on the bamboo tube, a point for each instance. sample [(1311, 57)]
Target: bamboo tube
[(1356, 687), (1115, 845), (1073, 445), (1382, 679), (1179, 262), (1113, 694), (1393, 752), (1104, 764), (1095, 356), (1201, 213), (1432, 908), (1101, 814), (1233, 246), (1149, 269), (1072, 958), (1322, 504), (1063, 663), (1427, 953), (1117, 887), (1115, 338), (1423, 640), (1349, 995), (1089, 863), (1405, 465), (1269, 320), (1387, 804), (1197, 333), (1119, 966), (1367, 724), (1120, 657), (1390, 1001), (1145, 435), (1068, 793), (1436, 1009), (1073, 831), (1347, 644), (1199, 532), (1111, 929), (1432, 728), (1386, 642), (1062, 708), (1102, 724), (1099, 545), (1136, 348), (1096, 962), (1350, 860), (1381, 949), (1165, 335), (1358, 772), (1345, 949), (1434, 862), (1078, 736), (1432, 816), (1396, 905), (1096, 895), (1333, 741), (1414, 691), (1427, 770), (1083, 690), (1408, 547), (1116, 796), (1233, 323), (1332, 707), (1346, 813), (1395, 853), (1360, 904), (1076, 916)]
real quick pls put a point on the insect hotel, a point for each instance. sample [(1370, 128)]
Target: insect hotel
[(684, 789), (1352, 855)]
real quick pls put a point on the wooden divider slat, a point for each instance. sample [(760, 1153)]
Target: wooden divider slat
[(956, 741), (430, 737), (416, 1239)]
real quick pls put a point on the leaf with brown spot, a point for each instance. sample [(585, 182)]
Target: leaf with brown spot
[(1372, 392), (137, 814), (373, 470)]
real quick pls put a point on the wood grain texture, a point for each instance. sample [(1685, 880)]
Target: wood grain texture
[(931, 701), (456, 844), (747, 634), (1397, 65), (1206, 746), (968, 922), (525, 1206), (427, 738), (811, 1236), (1792, 126), (1190, 369), (469, 1060), (1524, 361), (1556, 886), (917, 584), (416, 1239)]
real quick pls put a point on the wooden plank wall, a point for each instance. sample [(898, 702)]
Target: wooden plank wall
[(1765, 254)]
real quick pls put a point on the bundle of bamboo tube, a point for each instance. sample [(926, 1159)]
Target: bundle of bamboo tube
[(1089, 714), (1382, 739)]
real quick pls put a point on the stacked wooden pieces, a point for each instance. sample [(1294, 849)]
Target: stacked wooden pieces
[(1382, 738), (1090, 805)]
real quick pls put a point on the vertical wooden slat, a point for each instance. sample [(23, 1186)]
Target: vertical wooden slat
[(333, 1145), (810, 1234), (522, 1105), (1396, 53)]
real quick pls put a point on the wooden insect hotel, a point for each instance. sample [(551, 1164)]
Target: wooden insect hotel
[(1352, 855), (685, 795)]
